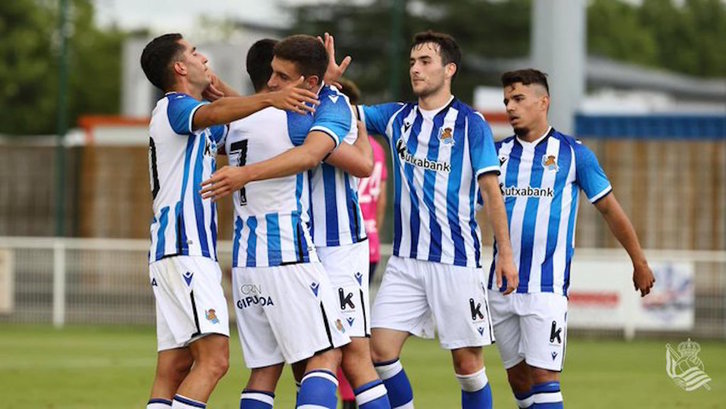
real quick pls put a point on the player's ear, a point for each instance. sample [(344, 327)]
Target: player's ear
[(312, 82), (180, 68), (545, 102), (450, 69)]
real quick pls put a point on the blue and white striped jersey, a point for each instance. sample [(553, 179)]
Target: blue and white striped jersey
[(334, 209), (179, 160), (437, 159), (540, 182), (271, 216), (280, 221)]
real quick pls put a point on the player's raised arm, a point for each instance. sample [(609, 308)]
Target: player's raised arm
[(356, 158), (335, 71), (228, 109)]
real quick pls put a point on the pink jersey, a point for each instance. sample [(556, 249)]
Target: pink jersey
[(368, 191)]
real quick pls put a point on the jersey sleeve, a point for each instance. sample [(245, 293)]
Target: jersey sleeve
[(376, 117), (481, 146), (181, 111), (333, 117), (589, 175)]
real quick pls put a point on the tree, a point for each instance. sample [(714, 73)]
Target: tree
[(657, 33), (482, 28), (29, 45)]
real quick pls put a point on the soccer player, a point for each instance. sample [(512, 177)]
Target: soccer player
[(192, 324), (337, 226), (372, 198), (443, 153), (542, 172)]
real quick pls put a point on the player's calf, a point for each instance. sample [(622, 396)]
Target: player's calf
[(471, 374)]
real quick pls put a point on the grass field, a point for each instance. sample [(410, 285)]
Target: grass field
[(112, 367)]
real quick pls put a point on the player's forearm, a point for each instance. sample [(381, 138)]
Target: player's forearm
[(622, 229), (291, 162), (227, 90), (352, 160), (496, 213), (228, 109)]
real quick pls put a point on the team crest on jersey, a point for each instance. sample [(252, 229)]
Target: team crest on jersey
[(212, 316), (339, 325), (549, 162), (446, 136)]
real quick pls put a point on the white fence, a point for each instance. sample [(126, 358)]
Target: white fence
[(105, 281)]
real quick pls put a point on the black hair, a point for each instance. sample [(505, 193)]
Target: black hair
[(158, 57), (448, 48), (526, 77), (259, 59)]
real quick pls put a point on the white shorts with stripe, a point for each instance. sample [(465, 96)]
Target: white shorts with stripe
[(531, 328), (285, 313), (190, 301), (347, 267), (414, 293)]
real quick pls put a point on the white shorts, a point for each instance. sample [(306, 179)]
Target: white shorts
[(347, 268), (285, 313), (530, 328), (414, 293), (190, 301)]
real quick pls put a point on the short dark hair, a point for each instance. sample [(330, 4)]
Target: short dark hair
[(350, 90), (307, 52), (448, 48), (259, 58), (526, 77), (157, 58)]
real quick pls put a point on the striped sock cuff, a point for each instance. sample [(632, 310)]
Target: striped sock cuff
[(473, 382), (524, 400), (321, 373), (182, 402), (260, 397), (547, 393), (388, 369), (369, 392), (158, 403)]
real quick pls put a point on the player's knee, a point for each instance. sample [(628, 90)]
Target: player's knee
[(357, 351), (519, 381), (216, 365), (540, 375), (467, 361), (380, 352), (329, 360)]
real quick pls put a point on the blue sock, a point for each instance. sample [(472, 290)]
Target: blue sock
[(397, 384), (372, 395), (475, 390), (158, 403), (547, 396), (250, 399), (317, 390), (524, 399), (182, 402)]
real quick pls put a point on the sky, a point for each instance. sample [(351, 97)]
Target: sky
[(162, 15)]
